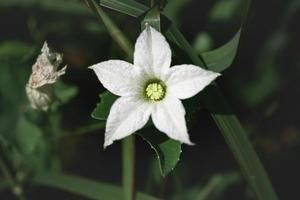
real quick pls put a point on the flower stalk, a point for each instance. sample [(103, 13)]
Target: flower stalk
[(128, 150)]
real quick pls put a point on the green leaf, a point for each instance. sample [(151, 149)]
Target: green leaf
[(266, 81), (102, 109), (167, 150), (217, 185), (227, 122), (212, 189), (64, 92), (216, 60), (224, 10), (128, 7), (221, 58), (173, 10), (84, 187), (113, 29), (13, 50), (27, 136), (66, 6), (152, 18), (203, 42)]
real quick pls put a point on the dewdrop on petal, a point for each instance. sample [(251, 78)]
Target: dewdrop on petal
[(39, 88)]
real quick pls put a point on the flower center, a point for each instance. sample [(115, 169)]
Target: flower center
[(155, 91)]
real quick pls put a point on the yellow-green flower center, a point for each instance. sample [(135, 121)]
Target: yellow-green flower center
[(155, 91)]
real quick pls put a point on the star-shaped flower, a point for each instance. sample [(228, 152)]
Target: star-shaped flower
[(149, 87)]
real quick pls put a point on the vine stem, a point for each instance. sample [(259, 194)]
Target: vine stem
[(128, 151)]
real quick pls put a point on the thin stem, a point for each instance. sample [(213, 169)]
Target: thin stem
[(128, 150), (114, 30)]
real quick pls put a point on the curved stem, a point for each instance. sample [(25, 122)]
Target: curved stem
[(128, 151)]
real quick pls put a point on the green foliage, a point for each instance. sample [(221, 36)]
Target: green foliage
[(203, 42), (29, 139), (102, 109), (129, 7), (167, 150), (113, 30), (212, 189), (13, 50), (84, 187), (224, 10), (227, 122), (221, 58), (152, 18), (65, 93), (65, 6), (173, 9), (27, 136)]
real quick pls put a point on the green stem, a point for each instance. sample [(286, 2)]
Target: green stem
[(128, 143), (128, 156), (114, 30)]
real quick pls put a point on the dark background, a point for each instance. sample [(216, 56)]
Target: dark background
[(262, 85)]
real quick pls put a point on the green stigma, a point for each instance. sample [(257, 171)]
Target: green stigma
[(155, 91)]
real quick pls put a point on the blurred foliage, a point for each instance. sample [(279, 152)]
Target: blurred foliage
[(30, 141)]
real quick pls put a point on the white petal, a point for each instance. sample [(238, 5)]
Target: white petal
[(168, 117), (127, 115), (119, 77), (152, 52), (185, 81)]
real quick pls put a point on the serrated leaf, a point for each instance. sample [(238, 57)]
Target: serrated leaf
[(221, 58), (85, 187)]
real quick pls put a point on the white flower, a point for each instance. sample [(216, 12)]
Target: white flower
[(150, 87), (39, 88)]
